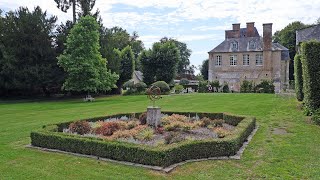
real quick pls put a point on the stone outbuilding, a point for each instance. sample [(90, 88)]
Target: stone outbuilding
[(245, 55)]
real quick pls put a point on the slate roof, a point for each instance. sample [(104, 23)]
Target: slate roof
[(308, 34), (244, 44), (243, 32), (139, 75)]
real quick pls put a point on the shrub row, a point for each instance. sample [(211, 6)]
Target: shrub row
[(298, 77), (311, 74), (48, 137)]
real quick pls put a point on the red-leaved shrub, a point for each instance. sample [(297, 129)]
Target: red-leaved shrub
[(80, 127), (107, 128)]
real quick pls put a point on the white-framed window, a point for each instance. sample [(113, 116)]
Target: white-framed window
[(246, 60), (259, 60), (252, 45), (218, 60), (234, 45), (233, 60)]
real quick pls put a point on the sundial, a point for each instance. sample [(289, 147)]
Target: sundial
[(154, 94)]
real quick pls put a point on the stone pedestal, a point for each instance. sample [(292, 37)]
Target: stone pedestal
[(153, 116)]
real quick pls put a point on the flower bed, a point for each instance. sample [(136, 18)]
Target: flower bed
[(125, 137)]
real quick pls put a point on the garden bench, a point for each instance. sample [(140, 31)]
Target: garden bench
[(88, 98)]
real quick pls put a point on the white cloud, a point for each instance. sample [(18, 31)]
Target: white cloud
[(158, 18)]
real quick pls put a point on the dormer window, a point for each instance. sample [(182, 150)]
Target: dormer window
[(234, 45), (252, 45)]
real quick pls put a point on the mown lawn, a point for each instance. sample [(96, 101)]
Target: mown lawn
[(295, 155)]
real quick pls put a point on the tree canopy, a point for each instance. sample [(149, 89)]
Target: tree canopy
[(287, 37), (184, 54), (28, 61), (125, 64), (85, 6), (86, 69), (204, 69), (160, 63)]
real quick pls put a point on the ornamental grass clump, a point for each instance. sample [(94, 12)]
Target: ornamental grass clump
[(146, 134)]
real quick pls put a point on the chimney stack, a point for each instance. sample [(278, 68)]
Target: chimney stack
[(235, 32), (250, 29), (267, 36), (236, 26)]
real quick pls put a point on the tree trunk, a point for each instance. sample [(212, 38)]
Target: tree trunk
[(74, 11)]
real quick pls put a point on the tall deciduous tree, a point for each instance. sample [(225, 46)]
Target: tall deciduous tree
[(204, 69), (62, 33), (160, 63), (118, 38), (30, 63), (85, 6), (184, 53), (148, 66), (85, 67), (126, 65), (287, 37)]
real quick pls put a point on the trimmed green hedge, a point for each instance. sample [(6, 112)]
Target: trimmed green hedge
[(311, 75), (298, 77), (49, 137)]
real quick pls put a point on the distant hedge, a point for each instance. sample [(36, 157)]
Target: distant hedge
[(298, 77), (50, 137), (164, 87), (311, 75)]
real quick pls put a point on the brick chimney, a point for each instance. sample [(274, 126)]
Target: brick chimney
[(235, 32), (267, 36), (236, 26), (250, 29)]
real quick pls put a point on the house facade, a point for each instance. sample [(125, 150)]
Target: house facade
[(245, 55)]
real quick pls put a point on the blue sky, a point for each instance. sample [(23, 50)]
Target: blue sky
[(199, 23)]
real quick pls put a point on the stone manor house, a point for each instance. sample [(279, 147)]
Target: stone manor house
[(245, 55)]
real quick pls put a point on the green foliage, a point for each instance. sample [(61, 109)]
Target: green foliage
[(246, 87), (160, 63), (134, 89), (145, 134), (148, 155), (85, 6), (203, 87), (62, 33), (265, 86), (225, 88), (86, 69), (28, 59), (184, 82), (163, 86), (298, 77), (184, 54), (126, 65), (316, 117), (287, 37), (178, 88), (204, 69), (311, 74), (140, 86), (215, 84), (128, 84), (118, 38)]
